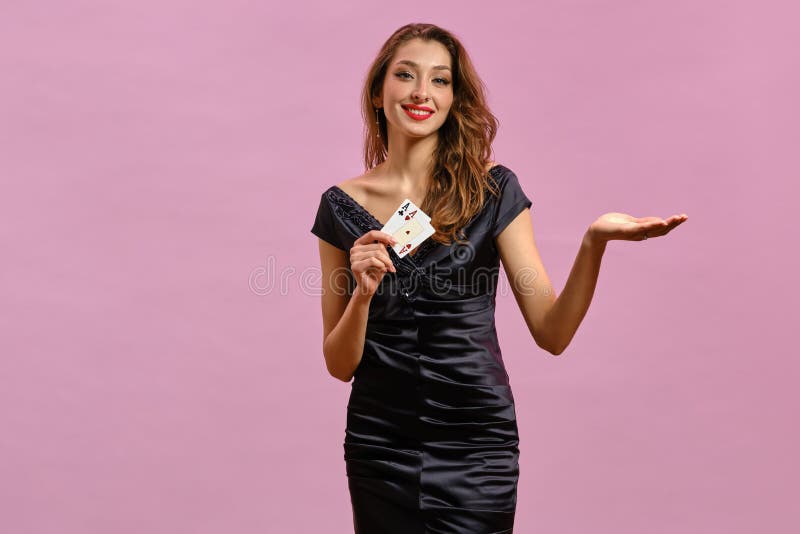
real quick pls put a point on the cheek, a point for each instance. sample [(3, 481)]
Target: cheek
[(448, 101)]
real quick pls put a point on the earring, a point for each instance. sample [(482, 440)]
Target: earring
[(378, 122)]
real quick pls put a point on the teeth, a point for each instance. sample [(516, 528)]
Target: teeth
[(418, 112)]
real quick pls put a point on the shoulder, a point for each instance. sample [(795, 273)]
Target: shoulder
[(502, 175), (343, 193), (496, 172), (494, 168), (353, 181), (357, 187), (498, 169)]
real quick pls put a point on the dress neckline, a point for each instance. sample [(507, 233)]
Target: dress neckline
[(421, 252), (368, 213), (414, 261), (359, 206)]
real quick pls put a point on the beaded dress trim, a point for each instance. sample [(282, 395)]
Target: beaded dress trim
[(346, 207)]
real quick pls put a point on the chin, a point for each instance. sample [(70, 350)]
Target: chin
[(428, 129), (423, 135), (418, 132)]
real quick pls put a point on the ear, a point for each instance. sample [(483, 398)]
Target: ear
[(376, 102)]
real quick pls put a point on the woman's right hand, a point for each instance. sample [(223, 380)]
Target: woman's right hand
[(369, 260)]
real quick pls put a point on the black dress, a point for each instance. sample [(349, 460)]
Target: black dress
[(431, 443)]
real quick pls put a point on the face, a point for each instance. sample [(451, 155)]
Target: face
[(415, 77)]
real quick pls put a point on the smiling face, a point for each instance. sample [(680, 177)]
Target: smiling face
[(418, 76)]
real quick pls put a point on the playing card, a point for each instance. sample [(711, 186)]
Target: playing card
[(410, 226), (405, 212), (411, 235)]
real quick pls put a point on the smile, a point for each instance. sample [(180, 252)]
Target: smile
[(417, 115)]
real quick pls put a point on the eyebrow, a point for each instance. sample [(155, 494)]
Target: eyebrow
[(409, 62)]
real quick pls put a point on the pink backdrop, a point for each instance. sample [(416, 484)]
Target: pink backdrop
[(161, 162)]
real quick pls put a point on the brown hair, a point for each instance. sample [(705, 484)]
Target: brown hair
[(457, 191)]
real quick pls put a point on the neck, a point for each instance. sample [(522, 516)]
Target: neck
[(409, 162)]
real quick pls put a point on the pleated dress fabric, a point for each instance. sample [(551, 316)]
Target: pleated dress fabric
[(431, 442)]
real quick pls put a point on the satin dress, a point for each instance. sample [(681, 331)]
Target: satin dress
[(431, 441)]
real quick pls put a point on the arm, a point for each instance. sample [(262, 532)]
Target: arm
[(344, 345), (529, 281), (571, 306), (552, 320), (344, 317)]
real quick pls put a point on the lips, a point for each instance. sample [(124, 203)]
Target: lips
[(420, 113)]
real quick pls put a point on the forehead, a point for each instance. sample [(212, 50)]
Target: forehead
[(426, 54)]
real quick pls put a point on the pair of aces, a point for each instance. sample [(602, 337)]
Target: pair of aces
[(410, 226)]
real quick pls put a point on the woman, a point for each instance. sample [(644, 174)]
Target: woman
[(431, 442)]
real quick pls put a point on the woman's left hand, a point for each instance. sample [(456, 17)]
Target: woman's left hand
[(610, 226)]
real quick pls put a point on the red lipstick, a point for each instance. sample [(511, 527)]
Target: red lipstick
[(420, 116)]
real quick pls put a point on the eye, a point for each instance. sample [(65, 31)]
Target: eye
[(442, 80), (401, 75)]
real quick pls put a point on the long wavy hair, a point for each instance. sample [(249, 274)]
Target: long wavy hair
[(459, 182)]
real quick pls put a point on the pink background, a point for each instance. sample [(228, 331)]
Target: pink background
[(161, 367)]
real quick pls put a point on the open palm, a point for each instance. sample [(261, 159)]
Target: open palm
[(613, 225)]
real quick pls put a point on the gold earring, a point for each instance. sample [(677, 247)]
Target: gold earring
[(378, 122)]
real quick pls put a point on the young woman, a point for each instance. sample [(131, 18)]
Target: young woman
[(431, 442)]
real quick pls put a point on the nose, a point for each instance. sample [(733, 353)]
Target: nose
[(421, 92)]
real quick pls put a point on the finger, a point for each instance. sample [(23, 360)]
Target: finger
[(647, 232), (388, 261), (642, 229), (367, 250), (654, 226), (374, 236), (379, 250), (385, 260), (376, 251), (380, 267), (673, 226), (374, 265), (662, 229), (368, 262)]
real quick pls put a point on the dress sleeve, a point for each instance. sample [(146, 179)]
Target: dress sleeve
[(325, 223), (511, 202)]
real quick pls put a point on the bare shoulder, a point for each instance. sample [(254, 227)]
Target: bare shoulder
[(360, 186), (354, 180), (357, 187)]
